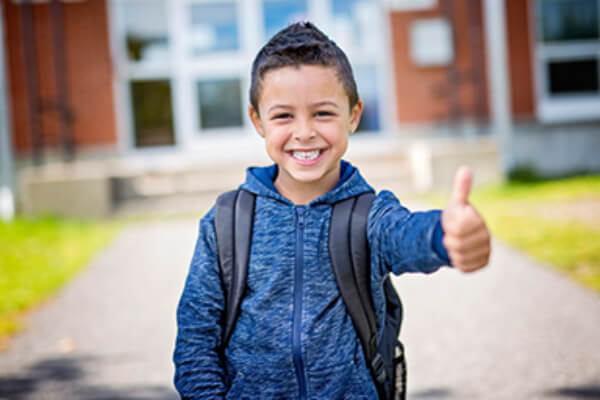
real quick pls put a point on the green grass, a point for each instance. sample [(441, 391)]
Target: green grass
[(572, 247), (558, 190), (557, 222), (37, 256)]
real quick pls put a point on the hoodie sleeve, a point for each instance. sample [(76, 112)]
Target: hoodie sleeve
[(199, 371), (400, 240)]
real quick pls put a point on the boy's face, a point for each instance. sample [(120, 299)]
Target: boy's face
[(305, 119)]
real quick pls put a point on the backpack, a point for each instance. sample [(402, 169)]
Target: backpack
[(349, 252)]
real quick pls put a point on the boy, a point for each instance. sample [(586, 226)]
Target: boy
[(293, 337)]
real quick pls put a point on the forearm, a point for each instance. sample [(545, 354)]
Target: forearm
[(410, 244), (404, 241), (199, 369)]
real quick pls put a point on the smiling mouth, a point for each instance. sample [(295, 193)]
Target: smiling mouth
[(306, 155)]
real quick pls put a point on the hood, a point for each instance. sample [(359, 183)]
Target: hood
[(259, 180)]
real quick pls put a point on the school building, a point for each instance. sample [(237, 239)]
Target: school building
[(144, 81)]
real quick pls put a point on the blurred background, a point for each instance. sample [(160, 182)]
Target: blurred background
[(116, 110), (139, 99), (130, 90)]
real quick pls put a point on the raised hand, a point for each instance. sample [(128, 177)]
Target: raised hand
[(466, 236)]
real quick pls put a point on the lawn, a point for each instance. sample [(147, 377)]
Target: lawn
[(554, 221), (37, 256)]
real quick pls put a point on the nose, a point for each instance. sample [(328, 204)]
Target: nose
[(304, 130)]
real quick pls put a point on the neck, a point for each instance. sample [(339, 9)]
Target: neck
[(302, 193)]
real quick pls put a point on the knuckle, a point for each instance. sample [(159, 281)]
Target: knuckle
[(474, 267), (461, 246), (458, 259), (483, 261)]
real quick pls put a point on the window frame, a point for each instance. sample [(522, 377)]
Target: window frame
[(226, 53), (183, 70), (377, 57), (129, 71), (229, 130), (563, 107)]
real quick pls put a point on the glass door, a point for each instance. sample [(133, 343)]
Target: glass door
[(214, 67), (184, 65), (147, 76)]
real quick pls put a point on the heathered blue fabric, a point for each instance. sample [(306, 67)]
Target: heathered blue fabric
[(258, 362)]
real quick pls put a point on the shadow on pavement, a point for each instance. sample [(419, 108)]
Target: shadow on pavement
[(126, 393), (577, 392), (51, 370), (60, 378), (432, 393)]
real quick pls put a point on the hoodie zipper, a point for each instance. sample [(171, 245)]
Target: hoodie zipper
[(297, 319)]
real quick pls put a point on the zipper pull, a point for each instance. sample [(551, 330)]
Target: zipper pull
[(300, 211)]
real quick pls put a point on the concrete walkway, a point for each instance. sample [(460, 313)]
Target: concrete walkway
[(110, 333), (513, 331)]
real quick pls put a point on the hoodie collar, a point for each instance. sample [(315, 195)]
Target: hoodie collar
[(259, 180)]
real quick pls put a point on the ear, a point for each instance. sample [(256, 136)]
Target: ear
[(355, 115), (255, 118)]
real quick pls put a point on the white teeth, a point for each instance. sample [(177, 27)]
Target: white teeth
[(306, 155)]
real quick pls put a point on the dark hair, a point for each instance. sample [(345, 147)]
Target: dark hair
[(299, 44)]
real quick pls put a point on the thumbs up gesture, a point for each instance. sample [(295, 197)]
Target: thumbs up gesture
[(466, 236)]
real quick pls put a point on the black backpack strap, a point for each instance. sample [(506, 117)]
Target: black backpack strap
[(234, 216), (350, 257), (361, 253)]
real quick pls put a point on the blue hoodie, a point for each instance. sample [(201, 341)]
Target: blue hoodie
[(294, 338)]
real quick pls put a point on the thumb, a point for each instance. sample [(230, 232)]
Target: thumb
[(462, 186)]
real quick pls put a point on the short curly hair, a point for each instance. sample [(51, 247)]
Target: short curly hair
[(301, 43)]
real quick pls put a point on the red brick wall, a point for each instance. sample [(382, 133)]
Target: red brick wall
[(422, 92), (520, 59), (89, 73)]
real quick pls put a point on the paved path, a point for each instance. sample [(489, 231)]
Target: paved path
[(110, 334), (513, 331)]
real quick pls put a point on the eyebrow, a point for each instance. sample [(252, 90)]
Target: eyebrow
[(317, 104), (276, 106), (326, 103)]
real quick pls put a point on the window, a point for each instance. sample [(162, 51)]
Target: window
[(278, 14), (213, 28), (431, 42), (183, 65), (353, 22), (569, 20), (145, 31), (220, 104), (568, 59), (352, 28), (152, 113), (368, 90), (573, 76), (147, 79)]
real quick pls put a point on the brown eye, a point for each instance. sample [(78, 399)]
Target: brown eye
[(324, 114), (282, 116)]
